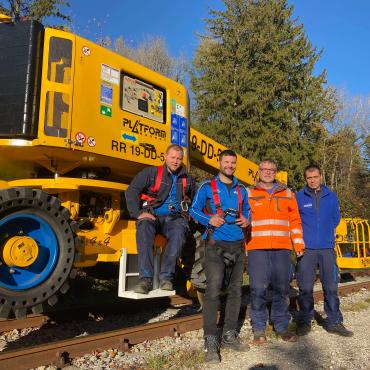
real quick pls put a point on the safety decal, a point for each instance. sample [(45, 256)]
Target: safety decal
[(106, 111), (109, 74), (180, 110), (106, 94), (128, 137), (80, 137), (173, 105), (183, 138), (174, 136), (175, 121), (91, 141), (86, 51), (179, 130)]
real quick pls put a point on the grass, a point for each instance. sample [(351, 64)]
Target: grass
[(176, 360), (356, 307)]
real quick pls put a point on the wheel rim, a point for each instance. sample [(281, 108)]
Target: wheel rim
[(29, 251)]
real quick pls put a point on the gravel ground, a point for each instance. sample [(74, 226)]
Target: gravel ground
[(318, 350)]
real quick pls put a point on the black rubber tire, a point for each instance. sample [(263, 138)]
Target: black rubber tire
[(198, 275), (35, 201)]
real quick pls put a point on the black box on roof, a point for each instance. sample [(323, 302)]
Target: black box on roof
[(20, 73)]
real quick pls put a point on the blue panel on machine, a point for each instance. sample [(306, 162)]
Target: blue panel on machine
[(183, 131), (175, 123)]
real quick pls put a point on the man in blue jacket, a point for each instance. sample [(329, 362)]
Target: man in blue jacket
[(319, 210), (221, 205)]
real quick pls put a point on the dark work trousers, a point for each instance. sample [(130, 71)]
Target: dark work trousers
[(269, 267), (173, 227), (325, 259), (216, 271)]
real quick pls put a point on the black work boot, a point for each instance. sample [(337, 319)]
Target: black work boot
[(143, 286), (211, 349), (231, 339), (339, 329), (303, 329)]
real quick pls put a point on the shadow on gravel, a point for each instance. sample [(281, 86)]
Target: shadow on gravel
[(97, 312), (293, 356)]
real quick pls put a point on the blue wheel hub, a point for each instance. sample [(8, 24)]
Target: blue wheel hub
[(19, 278)]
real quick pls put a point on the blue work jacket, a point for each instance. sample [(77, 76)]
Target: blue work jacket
[(318, 222), (228, 199)]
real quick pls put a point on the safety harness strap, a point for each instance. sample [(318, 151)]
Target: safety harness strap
[(153, 190)]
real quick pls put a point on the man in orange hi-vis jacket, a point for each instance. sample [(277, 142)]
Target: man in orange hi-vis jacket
[(276, 228)]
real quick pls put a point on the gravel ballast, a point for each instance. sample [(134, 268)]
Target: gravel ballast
[(317, 350)]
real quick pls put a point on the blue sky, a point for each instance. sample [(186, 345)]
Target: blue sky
[(341, 28)]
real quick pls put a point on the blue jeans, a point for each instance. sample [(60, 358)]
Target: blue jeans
[(325, 259), (269, 267), (174, 228), (217, 273)]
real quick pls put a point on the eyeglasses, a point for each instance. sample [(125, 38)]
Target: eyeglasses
[(272, 170)]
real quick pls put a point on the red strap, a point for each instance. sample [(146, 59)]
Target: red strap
[(158, 180), (240, 199), (155, 188), (216, 198), (183, 188)]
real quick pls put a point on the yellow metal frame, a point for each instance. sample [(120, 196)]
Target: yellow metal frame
[(204, 153), (353, 244)]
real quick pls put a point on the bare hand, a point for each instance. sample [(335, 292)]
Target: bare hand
[(300, 254), (242, 222), (216, 221), (146, 215)]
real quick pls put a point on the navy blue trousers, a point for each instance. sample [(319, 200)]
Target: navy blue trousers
[(268, 267), (325, 260), (174, 228)]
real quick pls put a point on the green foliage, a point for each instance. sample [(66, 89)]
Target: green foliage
[(34, 9), (344, 157), (254, 85)]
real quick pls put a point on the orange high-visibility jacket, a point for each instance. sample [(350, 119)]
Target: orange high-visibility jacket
[(276, 223)]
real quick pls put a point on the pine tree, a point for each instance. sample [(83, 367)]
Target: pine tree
[(254, 85), (34, 9)]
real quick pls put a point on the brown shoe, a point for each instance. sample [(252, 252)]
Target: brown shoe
[(287, 336), (259, 338)]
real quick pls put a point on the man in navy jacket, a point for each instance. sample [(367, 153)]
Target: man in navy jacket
[(319, 210), (162, 213)]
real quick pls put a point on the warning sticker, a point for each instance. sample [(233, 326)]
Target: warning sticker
[(86, 51), (106, 94), (109, 74), (173, 105), (180, 110), (80, 137), (106, 111), (91, 141)]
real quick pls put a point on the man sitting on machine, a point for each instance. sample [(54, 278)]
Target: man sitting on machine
[(159, 198)]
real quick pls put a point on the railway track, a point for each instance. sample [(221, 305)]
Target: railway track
[(81, 313), (61, 352)]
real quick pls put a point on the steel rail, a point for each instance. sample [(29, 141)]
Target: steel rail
[(33, 320), (60, 353)]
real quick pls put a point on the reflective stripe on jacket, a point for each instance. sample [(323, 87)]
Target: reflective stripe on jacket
[(276, 223)]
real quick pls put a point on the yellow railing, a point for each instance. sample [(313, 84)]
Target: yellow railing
[(353, 243)]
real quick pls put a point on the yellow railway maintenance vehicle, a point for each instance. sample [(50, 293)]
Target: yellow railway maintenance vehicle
[(77, 122)]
